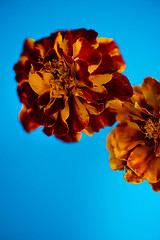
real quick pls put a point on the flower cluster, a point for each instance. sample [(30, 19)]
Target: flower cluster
[(72, 82), (134, 144), (65, 81)]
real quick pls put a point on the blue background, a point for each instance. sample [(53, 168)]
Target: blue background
[(50, 190)]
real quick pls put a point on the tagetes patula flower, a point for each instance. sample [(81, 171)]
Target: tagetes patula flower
[(134, 144), (62, 83)]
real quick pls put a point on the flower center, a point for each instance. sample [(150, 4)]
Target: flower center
[(62, 79), (151, 129)]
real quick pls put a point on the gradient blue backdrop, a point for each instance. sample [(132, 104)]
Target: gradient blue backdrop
[(50, 190)]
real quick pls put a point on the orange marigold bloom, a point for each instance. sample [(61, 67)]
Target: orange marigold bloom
[(134, 144), (63, 80)]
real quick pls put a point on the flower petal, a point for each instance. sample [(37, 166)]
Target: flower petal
[(63, 54), (39, 117), (71, 36), (26, 94), (98, 93), (51, 54), (65, 111), (28, 46), (119, 87), (155, 186), (151, 92), (106, 118), (100, 79), (40, 83), (49, 131), (46, 43), (144, 163), (79, 116), (57, 105), (60, 127), (115, 163), (93, 107), (82, 73), (106, 66), (107, 45), (26, 121), (89, 35), (44, 98), (20, 65), (70, 137), (131, 177), (83, 50), (127, 136)]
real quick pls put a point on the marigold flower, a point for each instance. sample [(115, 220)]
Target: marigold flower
[(134, 144), (63, 82)]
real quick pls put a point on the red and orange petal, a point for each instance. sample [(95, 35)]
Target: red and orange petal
[(82, 74), (112, 145), (70, 137), (84, 51), (26, 121), (119, 87), (107, 45), (155, 186), (146, 165), (96, 122), (151, 92), (131, 177), (79, 116)]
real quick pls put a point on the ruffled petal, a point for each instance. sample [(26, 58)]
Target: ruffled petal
[(27, 95), (82, 73), (65, 111), (49, 131), (26, 121), (46, 43), (20, 65), (119, 87), (89, 35), (144, 163), (155, 186), (63, 54), (115, 163), (108, 46), (106, 118), (28, 46), (83, 50), (79, 117), (93, 107), (131, 177), (100, 79), (98, 93), (44, 98), (70, 137), (60, 127), (57, 105), (69, 37), (82, 92), (40, 82), (51, 54), (127, 136), (39, 117), (107, 66), (151, 92), (36, 55)]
